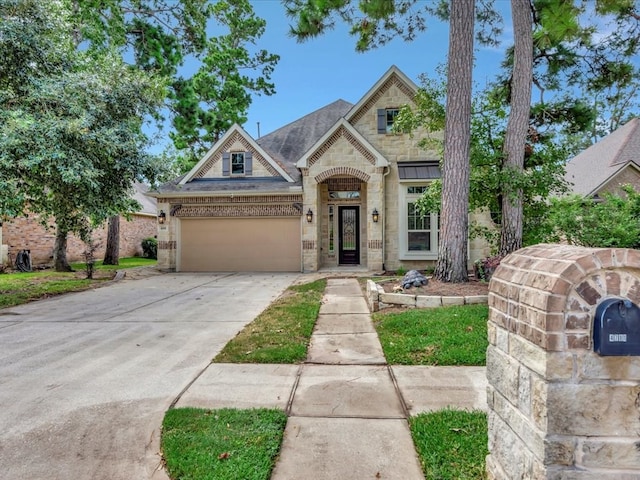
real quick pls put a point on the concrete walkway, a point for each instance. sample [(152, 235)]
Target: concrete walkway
[(347, 408)]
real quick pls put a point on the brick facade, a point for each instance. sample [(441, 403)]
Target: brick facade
[(557, 409), (28, 234)]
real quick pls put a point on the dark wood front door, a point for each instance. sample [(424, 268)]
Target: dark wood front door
[(349, 232)]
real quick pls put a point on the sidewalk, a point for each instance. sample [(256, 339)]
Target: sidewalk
[(347, 409)]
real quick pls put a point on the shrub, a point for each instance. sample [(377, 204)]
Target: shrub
[(150, 248)]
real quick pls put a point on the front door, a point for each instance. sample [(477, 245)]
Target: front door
[(349, 235)]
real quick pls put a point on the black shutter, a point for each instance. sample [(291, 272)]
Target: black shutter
[(248, 163), (382, 120), (226, 161)]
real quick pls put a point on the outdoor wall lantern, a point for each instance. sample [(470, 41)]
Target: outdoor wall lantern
[(375, 215), (162, 217), (309, 216)]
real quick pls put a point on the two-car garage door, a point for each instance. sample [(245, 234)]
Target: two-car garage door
[(239, 245)]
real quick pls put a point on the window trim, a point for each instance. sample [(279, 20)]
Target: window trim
[(231, 164), (403, 228)]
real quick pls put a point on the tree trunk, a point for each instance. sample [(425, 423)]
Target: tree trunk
[(454, 217), (112, 250), (518, 124), (60, 252)]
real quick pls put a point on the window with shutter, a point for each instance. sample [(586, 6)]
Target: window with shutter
[(386, 117)]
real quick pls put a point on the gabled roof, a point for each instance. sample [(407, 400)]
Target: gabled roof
[(289, 143), (235, 129), (394, 74), (354, 137), (591, 169)]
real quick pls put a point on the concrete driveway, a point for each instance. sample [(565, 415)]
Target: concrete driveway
[(85, 378)]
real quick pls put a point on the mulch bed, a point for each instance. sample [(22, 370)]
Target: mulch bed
[(436, 288)]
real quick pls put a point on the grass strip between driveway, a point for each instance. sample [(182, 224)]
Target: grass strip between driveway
[(222, 444), (281, 333), (18, 287)]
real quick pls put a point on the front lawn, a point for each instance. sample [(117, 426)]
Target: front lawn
[(455, 335), (451, 444), (222, 444)]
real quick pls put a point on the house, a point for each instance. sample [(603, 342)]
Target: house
[(27, 233), (336, 188), (607, 165)]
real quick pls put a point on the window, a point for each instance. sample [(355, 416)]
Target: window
[(386, 117), (418, 232), (237, 163), (392, 113)]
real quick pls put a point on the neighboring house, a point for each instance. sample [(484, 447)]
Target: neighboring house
[(27, 233), (335, 188), (607, 165)]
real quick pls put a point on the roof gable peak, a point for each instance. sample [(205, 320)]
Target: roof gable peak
[(392, 76), (236, 130)]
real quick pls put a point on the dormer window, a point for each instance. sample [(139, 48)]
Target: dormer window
[(237, 163), (386, 117)]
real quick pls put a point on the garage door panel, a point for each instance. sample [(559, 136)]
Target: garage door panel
[(240, 244)]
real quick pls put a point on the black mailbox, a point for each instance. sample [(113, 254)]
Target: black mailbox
[(616, 329)]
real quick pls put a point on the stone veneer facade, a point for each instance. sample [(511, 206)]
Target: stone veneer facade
[(558, 410)]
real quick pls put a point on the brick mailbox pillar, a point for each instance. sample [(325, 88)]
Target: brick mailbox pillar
[(557, 409)]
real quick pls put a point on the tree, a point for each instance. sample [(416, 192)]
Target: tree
[(518, 125), (454, 219), (612, 221), (71, 142), (159, 35), (219, 94)]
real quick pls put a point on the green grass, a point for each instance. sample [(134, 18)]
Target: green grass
[(128, 262), (454, 335), (221, 444), (451, 444), (281, 333), (18, 288)]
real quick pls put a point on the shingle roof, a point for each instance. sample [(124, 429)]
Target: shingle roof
[(590, 169), (148, 205), (287, 144)]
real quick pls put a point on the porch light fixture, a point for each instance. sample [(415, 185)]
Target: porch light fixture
[(375, 215), (162, 217), (309, 216)]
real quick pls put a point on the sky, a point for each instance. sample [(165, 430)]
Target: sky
[(319, 71)]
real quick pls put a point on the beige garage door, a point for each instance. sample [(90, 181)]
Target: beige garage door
[(240, 245)]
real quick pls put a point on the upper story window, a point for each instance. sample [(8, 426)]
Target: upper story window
[(237, 164), (386, 117)]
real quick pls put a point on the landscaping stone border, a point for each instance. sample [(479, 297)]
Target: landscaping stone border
[(378, 299)]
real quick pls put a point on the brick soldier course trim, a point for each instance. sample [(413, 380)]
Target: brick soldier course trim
[(393, 80), (342, 171), (226, 211), (341, 132)]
